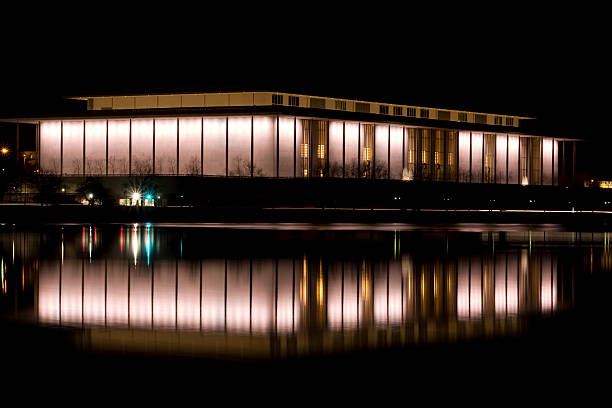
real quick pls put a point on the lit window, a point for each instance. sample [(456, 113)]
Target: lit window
[(509, 121), (397, 110), (341, 105), (462, 117), (294, 101), (367, 154), (411, 112), (321, 151)]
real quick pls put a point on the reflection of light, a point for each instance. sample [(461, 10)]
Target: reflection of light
[(83, 239), (136, 195), (148, 243), (135, 244), (524, 181), (121, 239)]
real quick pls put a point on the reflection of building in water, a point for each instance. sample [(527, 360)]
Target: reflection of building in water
[(267, 295)]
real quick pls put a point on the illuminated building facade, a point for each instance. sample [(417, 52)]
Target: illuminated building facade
[(279, 135)]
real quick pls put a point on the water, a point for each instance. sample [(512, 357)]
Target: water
[(282, 304)]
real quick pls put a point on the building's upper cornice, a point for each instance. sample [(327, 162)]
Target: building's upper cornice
[(245, 99)]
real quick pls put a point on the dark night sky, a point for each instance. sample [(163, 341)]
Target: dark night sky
[(550, 65)]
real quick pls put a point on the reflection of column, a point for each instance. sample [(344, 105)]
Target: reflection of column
[(350, 306), (287, 312), (523, 287), (263, 295), (71, 306), (488, 286), (213, 294), (117, 295), (335, 287), (49, 297), (366, 304), (438, 288), (188, 295), (408, 276), (451, 288), (93, 292), (380, 290), (395, 299)]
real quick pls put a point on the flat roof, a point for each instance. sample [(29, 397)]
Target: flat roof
[(164, 101)]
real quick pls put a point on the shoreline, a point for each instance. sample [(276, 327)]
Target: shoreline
[(55, 214)]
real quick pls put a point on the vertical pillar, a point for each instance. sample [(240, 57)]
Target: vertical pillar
[(84, 148), (130, 158), (343, 148), (61, 151), (470, 156), (17, 144), (38, 145), (226, 144), (201, 154), (573, 159), (389, 154), (153, 171), (178, 164), (251, 164), (277, 146), (106, 154)]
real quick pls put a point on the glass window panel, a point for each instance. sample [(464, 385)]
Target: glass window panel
[(73, 147), (547, 162), (351, 148), (165, 146), (513, 159), (477, 145), (264, 146), (50, 147), (381, 152), (501, 147), (214, 146), (142, 146), (238, 295), (286, 145), (396, 143), (239, 146), (190, 146), (95, 147), (336, 146), (464, 157), (118, 147)]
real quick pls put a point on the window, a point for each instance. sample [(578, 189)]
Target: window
[(304, 151), (294, 101), (384, 109), (443, 115), (341, 105), (317, 103), (397, 111), (362, 107), (478, 118), (462, 117), (425, 113), (509, 121), (277, 99), (498, 120), (411, 112)]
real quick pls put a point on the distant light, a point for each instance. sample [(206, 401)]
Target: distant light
[(4, 150), (149, 196), (90, 196), (181, 196), (63, 189), (136, 195)]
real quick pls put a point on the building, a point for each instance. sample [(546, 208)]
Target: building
[(282, 135)]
